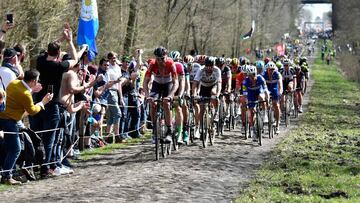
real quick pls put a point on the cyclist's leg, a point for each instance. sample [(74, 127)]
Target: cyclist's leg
[(179, 119), (276, 106)]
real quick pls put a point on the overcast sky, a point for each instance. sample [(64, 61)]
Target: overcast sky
[(318, 9)]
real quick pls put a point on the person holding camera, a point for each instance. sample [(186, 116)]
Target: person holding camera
[(19, 101), (51, 69)]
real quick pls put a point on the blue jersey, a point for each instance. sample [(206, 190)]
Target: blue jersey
[(273, 84), (272, 81), (256, 87), (252, 89)]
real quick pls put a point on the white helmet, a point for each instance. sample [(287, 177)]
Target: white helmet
[(251, 70)]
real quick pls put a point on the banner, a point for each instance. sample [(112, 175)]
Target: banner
[(250, 33), (88, 26)]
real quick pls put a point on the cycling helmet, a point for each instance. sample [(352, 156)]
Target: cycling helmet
[(267, 60), (234, 62), (286, 62), (228, 61), (279, 64), (242, 60), (220, 61), (271, 65), (188, 59), (304, 58), (251, 70), (260, 64), (244, 68), (297, 61), (210, 61), (174, 55), (200, 59), (297, 67), (160, 52)]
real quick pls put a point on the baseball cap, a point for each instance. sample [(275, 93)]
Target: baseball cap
[(10, 52)]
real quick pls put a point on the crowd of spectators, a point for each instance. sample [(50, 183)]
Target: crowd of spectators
[(50, 113)]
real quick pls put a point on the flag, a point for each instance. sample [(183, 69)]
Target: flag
[(249, 34), (88, 26)]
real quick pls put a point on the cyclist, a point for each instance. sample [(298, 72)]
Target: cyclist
[(178, 102), (235, 69), (300, 85), (193, 69), (240, 77), (209, 79), (187, 62), (274, 83), (254, 88), (226, 81), (165, 83), (260, 67), (289, 78)]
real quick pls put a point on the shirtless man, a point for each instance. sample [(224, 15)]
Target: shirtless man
[(70, 85)]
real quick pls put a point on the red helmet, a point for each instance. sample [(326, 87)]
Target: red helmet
[(267, 60), (200, 59)]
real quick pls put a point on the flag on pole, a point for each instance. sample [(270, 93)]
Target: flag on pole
[(88, 26), (250, 33)]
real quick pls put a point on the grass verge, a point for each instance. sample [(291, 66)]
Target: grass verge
[(320, 160)]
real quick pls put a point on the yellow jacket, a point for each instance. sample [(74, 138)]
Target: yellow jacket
[(18, 101)]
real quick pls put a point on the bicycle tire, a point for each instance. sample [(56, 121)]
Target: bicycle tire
[(191, 126), (204, 128), (247, 127), (287, 111), (211, 130), (174, 142), (258, 126), (270, 123), (157, 137)]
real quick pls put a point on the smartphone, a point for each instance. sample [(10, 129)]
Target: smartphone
[(10, 18), (50, 89)]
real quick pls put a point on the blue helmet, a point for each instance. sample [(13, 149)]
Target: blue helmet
[(260, 64)]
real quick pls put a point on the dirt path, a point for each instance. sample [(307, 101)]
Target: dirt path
[(194, 174)]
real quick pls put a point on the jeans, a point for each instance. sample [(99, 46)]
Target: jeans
[(45, 120), (124, 121), (11, 145), (134, 115)]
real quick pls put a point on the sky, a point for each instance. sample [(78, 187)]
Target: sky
[(318, 9)]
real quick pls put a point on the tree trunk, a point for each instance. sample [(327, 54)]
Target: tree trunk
[(130, 27)]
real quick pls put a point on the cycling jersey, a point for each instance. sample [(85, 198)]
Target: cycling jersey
[(235, 70), (272, 82), (208, 79), (195, 67), (161, 76), (287, 75), (253, 88), (240, 77), (179, 69), (300, 76), (225, 75)]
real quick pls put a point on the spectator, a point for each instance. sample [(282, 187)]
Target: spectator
[(19, 101), (51, 70), (101, 89), (115, 97), (9, 72), (130, 120)]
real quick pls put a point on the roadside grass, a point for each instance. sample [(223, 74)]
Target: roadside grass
[(319, 161), (89, 154)]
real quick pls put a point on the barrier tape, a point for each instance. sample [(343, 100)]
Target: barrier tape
[(67, 153)]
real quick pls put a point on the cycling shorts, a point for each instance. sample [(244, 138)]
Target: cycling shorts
[(160, 90), (207, 91)]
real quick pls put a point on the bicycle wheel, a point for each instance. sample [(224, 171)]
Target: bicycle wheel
[(231, 118), (204, 127), (220, 124), (191, 126), (287, 111), (270, 123), (211, 130), (158, 136), (162, 143), (258, 126), (247, 127), (174, 142)]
